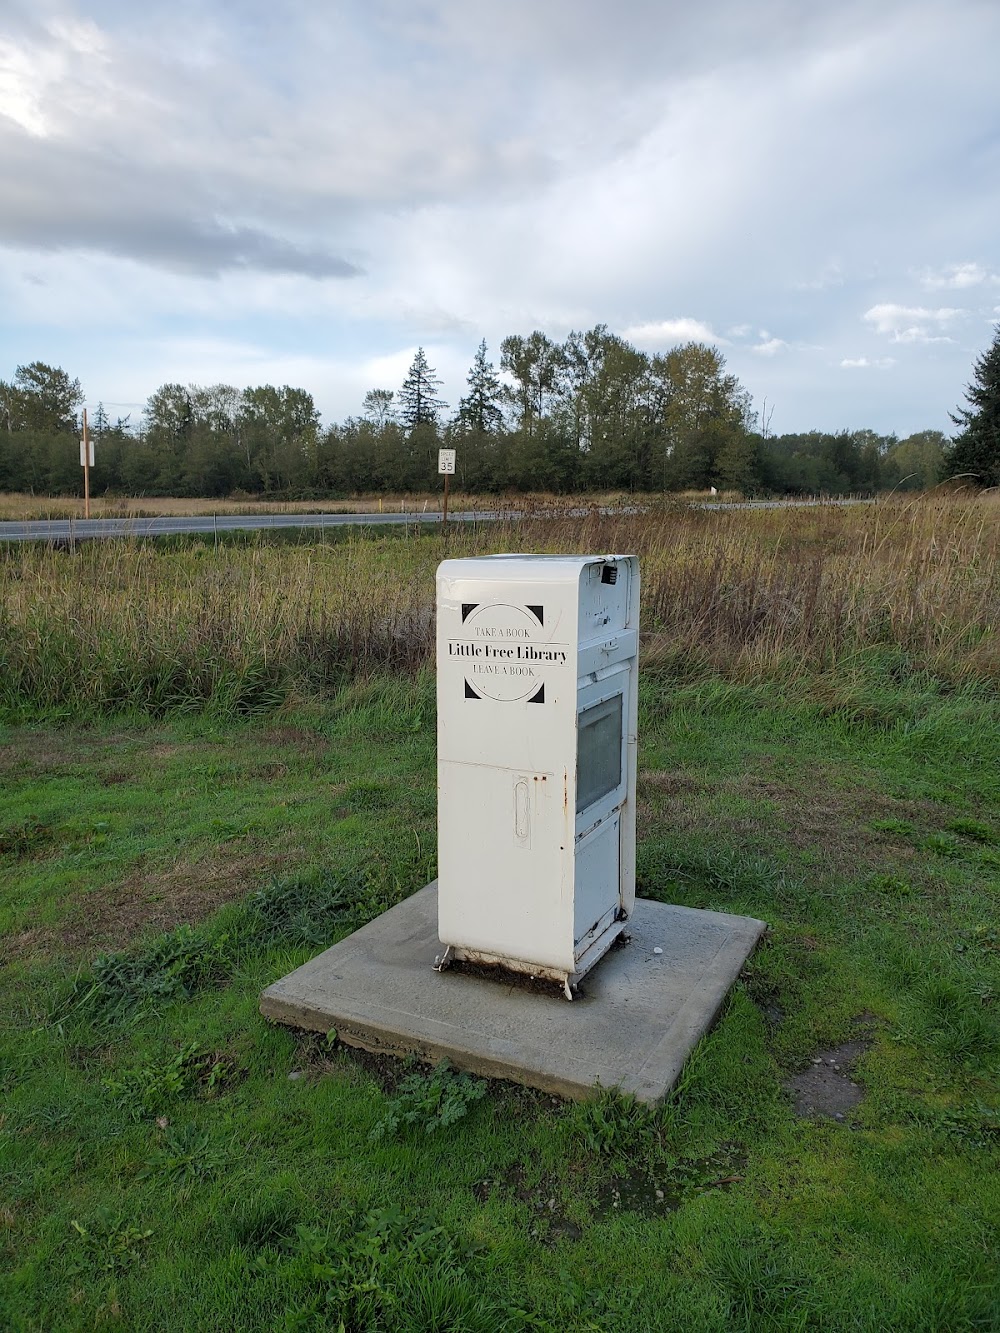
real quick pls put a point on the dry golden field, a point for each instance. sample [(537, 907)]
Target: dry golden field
[(776, 594), (16, 507)]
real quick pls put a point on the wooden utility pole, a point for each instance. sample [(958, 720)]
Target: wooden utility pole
[(86, 468)]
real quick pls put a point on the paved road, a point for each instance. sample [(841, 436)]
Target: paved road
[(76, 529), (70, 529)]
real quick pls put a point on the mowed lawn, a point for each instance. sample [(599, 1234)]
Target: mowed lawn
[(168, 1160)]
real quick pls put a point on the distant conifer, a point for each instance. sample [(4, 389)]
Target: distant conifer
[(480, 409), (419, 400), (975, 452)]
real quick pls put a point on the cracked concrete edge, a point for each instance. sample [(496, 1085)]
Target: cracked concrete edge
[(387, 1039)]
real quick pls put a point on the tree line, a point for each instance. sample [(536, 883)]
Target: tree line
[(589, 413)]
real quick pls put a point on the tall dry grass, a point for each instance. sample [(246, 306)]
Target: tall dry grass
[(748, 594), (18, 507)]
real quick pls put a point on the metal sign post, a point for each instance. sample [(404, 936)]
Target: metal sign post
[(86, 462), (446, 466)]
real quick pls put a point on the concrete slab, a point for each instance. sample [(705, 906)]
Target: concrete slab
[(638, 1016)]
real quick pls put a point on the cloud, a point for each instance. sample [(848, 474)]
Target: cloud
[(958, 277), (163, 237), (218, 171), (175, 143), (769, 346), (666, 333), (93, 163), (864, 363), (333, 379), (912, 324)]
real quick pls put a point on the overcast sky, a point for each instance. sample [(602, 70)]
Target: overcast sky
[(303, 192)]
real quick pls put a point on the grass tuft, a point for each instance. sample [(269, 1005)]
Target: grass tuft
[(391, 1275), (310, 908), (171, 966)]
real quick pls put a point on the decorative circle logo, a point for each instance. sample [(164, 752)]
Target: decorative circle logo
[(507, 658)]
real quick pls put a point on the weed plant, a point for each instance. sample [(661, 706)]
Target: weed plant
[(428, 1102), (144, 1089), (187, 1154)]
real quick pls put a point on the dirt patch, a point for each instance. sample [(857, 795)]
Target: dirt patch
[(652, 1195), (165, 751), (639, 1192), (39, 752), (670, 782), (549, 1222), (771, 1010), (827, 1089), (146, 903), (388, 1071), (36, 752), (818, 816)]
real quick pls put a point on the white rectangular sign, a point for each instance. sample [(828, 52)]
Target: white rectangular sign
[(446, 461), (87, 462)]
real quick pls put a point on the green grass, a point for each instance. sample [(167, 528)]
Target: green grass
[(160, 1169)]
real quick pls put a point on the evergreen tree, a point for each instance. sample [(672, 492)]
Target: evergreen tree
[(975, 452), (99, 424), (419, 400), (479, 410)]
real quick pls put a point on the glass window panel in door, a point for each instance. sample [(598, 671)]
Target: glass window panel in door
[(599, 752)]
